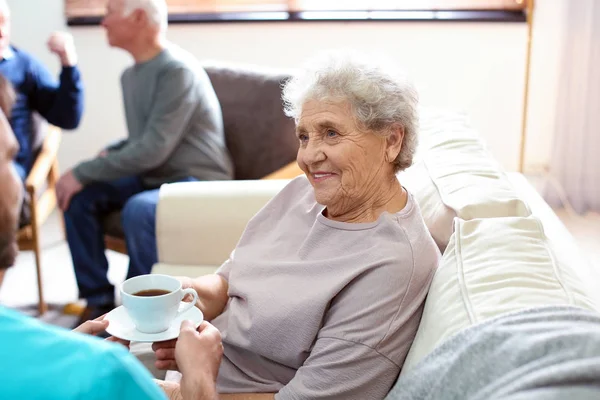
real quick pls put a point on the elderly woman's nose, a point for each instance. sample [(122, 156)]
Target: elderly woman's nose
[(313, 153)]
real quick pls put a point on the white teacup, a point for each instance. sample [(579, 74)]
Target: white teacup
[(155, 313)]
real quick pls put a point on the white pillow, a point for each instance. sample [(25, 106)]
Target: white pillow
[(456, 176), (437, 216), (491, 267)]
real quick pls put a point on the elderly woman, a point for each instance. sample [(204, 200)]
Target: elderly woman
[(323, 294)]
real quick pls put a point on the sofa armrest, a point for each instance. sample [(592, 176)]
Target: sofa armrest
[(200, 223)]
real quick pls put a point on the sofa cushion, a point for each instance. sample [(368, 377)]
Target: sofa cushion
[(259, 136), (491, 267), (454, 175)]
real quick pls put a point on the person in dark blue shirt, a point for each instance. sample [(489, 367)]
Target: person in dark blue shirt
[(60, 103)]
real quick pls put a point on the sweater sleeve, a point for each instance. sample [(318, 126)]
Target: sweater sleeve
[(61, 104), (169, 116), (116, 145)]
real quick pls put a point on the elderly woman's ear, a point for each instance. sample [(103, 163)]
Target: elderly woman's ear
[(394, 143)]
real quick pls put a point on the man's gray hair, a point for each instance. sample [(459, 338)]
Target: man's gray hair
[(156, 10), (380, 97)]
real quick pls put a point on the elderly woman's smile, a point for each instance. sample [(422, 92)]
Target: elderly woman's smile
[(320, 176)]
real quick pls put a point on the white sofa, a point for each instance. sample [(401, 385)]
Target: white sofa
[(503, 247)]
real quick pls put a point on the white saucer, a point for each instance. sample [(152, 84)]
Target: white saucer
[(121, 326)]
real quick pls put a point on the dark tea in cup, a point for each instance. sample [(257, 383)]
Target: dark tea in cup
[(151, 292)]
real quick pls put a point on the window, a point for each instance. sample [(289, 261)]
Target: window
[(235, 10)]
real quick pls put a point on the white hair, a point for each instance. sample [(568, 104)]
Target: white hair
[(156, 10), (380, 97)]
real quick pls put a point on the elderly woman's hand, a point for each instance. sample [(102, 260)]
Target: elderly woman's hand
[(165, 355), (212, 293), (186, 282)]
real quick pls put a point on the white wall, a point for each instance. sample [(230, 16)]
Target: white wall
[(548, 35), (475, 67)]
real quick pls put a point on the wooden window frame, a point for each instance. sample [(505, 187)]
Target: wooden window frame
[(89, 12)]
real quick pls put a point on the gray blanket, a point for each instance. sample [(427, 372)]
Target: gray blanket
[(542, 353)]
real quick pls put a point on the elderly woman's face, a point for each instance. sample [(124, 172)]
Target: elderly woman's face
[(343, 164)]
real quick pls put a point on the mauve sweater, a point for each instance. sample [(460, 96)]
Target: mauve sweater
[(320, 309)]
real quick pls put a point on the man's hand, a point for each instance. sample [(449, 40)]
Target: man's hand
[(97, 326), (62, 44), (66, 187), (166, 352), (92, 327), (198, 354), (199, 349)]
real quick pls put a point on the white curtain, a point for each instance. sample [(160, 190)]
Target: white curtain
[(575, 161)]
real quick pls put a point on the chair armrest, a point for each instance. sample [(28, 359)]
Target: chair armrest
[(290, 171), (44, 161), (200, 223)]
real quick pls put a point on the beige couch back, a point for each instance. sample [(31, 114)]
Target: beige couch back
[(498, 255)]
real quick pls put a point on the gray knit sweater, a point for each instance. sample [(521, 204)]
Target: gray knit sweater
[(175, 126), (546, 353)]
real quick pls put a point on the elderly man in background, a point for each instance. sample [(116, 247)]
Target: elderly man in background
[(37, 91), (175, 133)]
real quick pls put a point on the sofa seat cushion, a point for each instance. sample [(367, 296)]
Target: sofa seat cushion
[(454, 175), (492, 267)]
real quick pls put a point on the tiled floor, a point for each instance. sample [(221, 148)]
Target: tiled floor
[(19, 288)]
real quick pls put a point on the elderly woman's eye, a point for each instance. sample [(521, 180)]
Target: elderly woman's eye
[(331, 133), (303, 138)]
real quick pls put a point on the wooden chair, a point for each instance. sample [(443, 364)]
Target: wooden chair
[(114, 237), (41, 186)]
